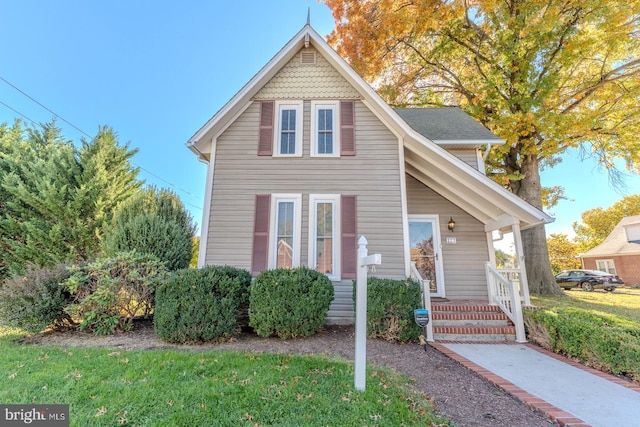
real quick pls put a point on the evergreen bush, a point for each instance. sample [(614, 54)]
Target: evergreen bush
[(110, 292), (155, 222), (390, 305), (36, 300), (597, 339), (289, 302), (201, 305)]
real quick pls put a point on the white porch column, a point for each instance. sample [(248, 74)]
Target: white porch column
[(492, 260), (524, 283)]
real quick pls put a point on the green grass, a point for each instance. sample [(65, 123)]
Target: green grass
[(598, 328), (187, 388), (624, 302)]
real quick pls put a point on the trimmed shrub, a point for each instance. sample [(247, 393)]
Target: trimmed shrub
[(36, 300), (155, 222), (601, 340), (201, 305), (289, 303), (390, 305), (110, 292)]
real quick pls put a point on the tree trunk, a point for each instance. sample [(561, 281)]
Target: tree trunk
[(534, 240)]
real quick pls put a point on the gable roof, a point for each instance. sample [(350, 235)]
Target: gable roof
[(454, 179), (616, 242), (448, 126)]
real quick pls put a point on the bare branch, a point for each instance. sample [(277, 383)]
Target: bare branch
[(604, 79)]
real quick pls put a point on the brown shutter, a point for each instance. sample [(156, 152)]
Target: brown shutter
[(260, 253), (348, 230), (347, 133), (265, 137)]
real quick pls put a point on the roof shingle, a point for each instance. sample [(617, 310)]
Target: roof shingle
[(445, 124)]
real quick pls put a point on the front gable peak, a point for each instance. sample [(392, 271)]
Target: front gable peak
[(307, 75)]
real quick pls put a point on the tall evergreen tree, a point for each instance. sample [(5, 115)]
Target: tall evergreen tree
[(155, 222), (55, 197)]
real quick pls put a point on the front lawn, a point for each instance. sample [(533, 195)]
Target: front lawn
[(210, 388), (624, 302)]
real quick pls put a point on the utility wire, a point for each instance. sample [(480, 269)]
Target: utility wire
[(52, 112), (87, 135), (17, 112)]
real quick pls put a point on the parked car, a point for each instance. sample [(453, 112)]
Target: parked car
[(588, 280)]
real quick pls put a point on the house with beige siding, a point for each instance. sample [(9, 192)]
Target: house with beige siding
[(306, 158)]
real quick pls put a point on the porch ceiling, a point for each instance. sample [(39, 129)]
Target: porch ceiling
[(467, 188)]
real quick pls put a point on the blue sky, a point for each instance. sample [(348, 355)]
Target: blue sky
[(156, 71)]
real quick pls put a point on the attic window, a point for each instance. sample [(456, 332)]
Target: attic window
[(308, 57), (633, 232)]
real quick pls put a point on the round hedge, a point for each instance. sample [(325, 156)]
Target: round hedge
[(201, 305), (289, 303)]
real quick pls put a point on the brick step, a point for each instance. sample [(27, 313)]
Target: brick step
[(481, 338), (447, 315), (471, 321), (474, 330), (465, 307)]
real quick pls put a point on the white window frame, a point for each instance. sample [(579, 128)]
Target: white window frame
[(273, 227), (316, 106), (298, 106), (609, 266), (314, 199)]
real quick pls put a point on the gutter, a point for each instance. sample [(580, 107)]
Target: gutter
[(191, 146)]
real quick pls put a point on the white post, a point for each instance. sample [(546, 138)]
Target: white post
[(360, 363), (491, 289), (524, 282)]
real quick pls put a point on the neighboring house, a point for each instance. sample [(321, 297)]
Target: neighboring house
[(306, 158), (619, 253)]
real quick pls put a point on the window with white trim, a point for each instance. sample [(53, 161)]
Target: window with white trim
[(325, 125), (285, 229), (288, 129), (324, 234), (606, 265)]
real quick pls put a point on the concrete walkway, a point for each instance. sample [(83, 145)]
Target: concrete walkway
[(569, 393)]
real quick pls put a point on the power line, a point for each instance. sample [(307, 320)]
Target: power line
[(17, 112), (52, 112), (88, 136)]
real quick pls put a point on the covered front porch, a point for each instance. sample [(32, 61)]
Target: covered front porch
[(498, 317)]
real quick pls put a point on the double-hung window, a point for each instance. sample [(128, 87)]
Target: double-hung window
[(324, 234), (288, 129), (285, 231), (606, 265), (325, 138)]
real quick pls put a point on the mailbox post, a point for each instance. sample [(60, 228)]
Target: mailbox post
[(364, 261)]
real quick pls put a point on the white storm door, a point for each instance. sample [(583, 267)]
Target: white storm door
[(426, 249)]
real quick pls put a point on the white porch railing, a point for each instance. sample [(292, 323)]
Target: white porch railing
[(426, 298), (514, 275), (507, 296)]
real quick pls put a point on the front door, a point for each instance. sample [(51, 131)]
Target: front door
[(426, 251)]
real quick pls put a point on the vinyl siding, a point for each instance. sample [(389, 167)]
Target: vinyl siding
[(301, 81), (470, 157), (463, 261), (372, 175)]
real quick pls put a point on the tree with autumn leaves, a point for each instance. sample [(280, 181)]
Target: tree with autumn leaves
[(545, 76), (595, 226)]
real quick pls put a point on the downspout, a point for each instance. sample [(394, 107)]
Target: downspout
[(200, 155), (486, 153)]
